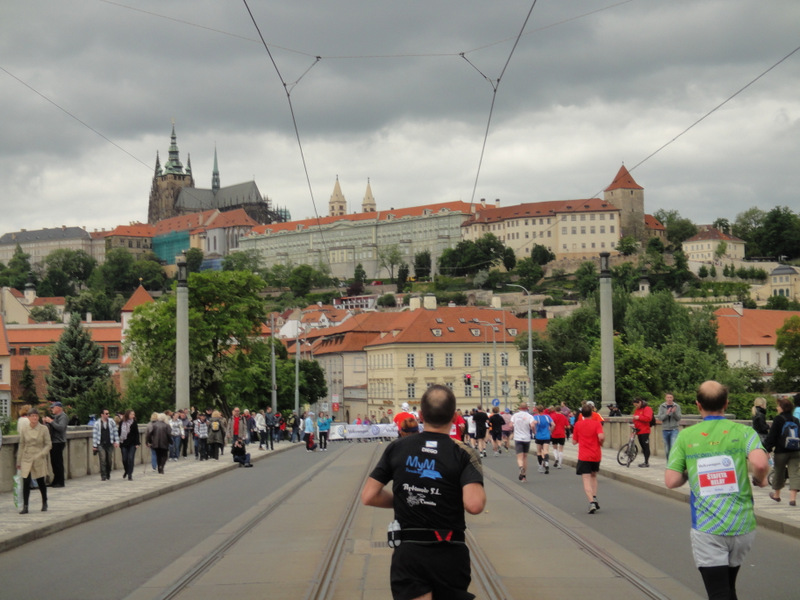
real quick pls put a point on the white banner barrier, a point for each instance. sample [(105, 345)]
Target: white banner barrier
[(343, 431)]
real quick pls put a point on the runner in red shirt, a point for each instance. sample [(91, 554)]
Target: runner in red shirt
[(589, 436)]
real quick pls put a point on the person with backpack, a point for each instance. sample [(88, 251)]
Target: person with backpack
[(784, 440), (642, 422), (216, 435)]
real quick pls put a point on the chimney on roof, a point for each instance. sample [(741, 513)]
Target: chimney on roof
[(497, 202), (88, 317), (63, 228), (429, 302), (414, 303), (483, 202), (496, 303)]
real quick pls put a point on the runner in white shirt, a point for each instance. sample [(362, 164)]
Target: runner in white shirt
[(523, 423)]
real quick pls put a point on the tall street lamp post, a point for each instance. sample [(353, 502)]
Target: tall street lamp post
[(182, 335), (530, 343)]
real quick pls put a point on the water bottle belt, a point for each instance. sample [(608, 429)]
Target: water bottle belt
[(431, 535)]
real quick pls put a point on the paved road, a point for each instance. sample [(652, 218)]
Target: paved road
[(112, 555)]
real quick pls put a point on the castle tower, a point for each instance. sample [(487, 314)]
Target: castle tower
[(368, 204), (337, 205), (167, 184), (628, 197)]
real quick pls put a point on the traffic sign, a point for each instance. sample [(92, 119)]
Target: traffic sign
[(495, 402)]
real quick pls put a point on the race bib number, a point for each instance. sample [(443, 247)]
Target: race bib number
[(717, 475), (453, 430)]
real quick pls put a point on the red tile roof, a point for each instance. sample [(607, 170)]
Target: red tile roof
[(753, 328), (232, 218), (623, 181), (539, 209), (40, 335), (713, 235), (133, 230), (653, 224), (184, 222), (139, 297)]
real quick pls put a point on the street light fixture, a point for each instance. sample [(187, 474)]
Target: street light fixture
[(530, 343), (182, 335)]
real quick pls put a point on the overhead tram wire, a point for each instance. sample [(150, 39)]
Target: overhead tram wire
[(72, 116), (709, 113), (288, 91), (495, 86)]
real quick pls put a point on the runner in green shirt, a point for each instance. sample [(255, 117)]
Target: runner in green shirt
[(713, 457)]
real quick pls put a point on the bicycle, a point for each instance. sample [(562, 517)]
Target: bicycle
[(628, 452)]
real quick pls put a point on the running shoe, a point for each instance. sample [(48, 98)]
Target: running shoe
[(547, 470), (644, 465), (596, 503), (521, 474), (593, 507)]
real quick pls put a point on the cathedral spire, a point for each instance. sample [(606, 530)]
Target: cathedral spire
[(215, 173), (173, 165), (188, 164), (159, 172), (337, 205)]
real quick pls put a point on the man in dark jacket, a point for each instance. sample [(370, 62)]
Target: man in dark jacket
[(57, 424)]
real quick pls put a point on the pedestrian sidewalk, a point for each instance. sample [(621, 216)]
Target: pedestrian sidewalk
[(87, 498), (777, 516)]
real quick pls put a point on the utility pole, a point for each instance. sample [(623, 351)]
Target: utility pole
[(182, 335), (272, 356), (607, 383)]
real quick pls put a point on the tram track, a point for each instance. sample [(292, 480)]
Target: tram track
[(635, 579)]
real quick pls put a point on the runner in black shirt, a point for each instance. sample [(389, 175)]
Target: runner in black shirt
[(481, 419), (496, 422), (434, 479)]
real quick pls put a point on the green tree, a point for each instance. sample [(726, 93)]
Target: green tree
[(722, 225), (301, 280), (422, 264), (312, 382), (27, 384), (101, 305), (356, 288), (388, 258), (509, 259), (779, 234), (18, 271), (787, 374), (225, 315), (529, 272), (746, 226), (586, 279), (75, 367), (65, 271), (147, 270), (720, 250), (250, 261), (655, 246), (402, 277), (627, 245), (116, 273), (678, 228), (541, 255), (702, 272), (48, 312), (194, 259)]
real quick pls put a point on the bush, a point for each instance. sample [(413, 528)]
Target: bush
[(387, 300)]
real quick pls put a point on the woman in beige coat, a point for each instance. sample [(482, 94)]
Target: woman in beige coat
[(34, 449)]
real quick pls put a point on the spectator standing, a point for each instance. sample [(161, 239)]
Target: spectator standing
[(104, 439), (188, 431), (32, 452), (642, 417), (324, 429), (669, 415), (261, 429), (150, 424), (273, 428), (589, 436), (308, 431), (237, 426), (723, 519), (759, 412), (216, 434), (57, 424), (129, 441), (177, 433), (786, 459), (430, 558), (201, 437)]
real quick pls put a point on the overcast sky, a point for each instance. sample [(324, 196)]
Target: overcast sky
[(401, 96)]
